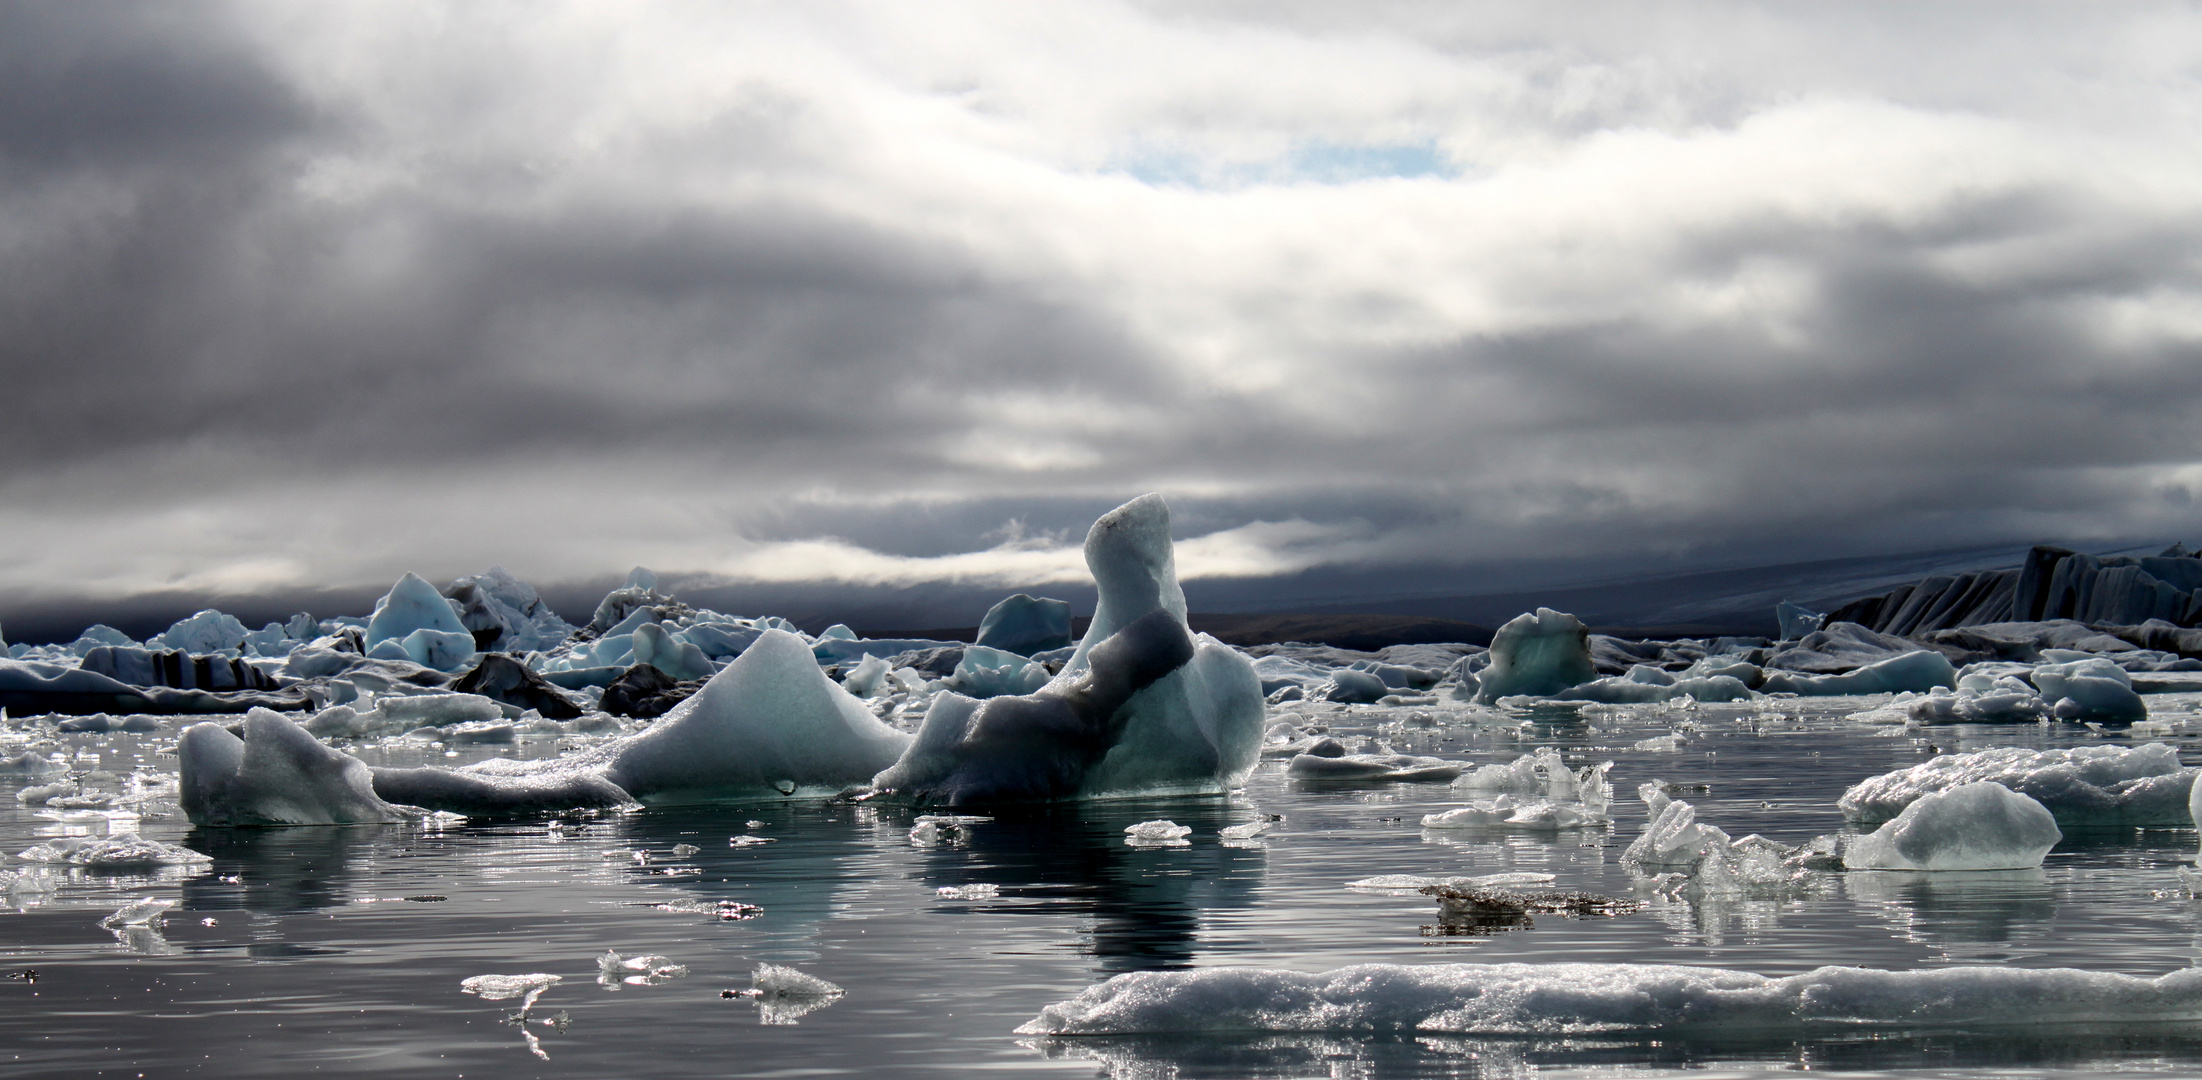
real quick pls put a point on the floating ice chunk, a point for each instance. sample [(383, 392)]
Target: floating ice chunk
[(771, 724), (138, 913), (747, 841), (934, 828), (968, 892), (278, 774), (1977, 826), (636, 970), (868, 678), (1537, 654), (1659, 744), (1557, 999), (1917, 671), (1049, 745), (776, 981), (501, 987), (1247, 831), (1025, 625), (1198, 728), (1158, 832), (438, 649), (679, 660), (413, 604), (1796, 621), (1327, 760), (1979, 699), (770, 718), (2080, 786), (206, 632), (989, 673), (1542, 773), (28, 763), (1621, 690), (1408, 884), (1506, 811), (685, 850), (1680, 855), (2094, 688), (1356, 687), (116, 851)]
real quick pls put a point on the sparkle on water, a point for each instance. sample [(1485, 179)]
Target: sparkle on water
[(274, 962)]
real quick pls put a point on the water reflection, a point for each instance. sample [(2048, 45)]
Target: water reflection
[(1971, 916), (283, 871), (1145, 902)]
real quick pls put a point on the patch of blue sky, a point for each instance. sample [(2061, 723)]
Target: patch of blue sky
[(1318, 162)]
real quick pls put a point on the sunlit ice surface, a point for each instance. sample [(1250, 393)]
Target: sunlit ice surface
[(343, 949)]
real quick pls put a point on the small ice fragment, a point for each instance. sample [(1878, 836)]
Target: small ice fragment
[(1247, 831), (138, 913), (621, 853), (968, 892), (1410, 883), (500, 987), (747, 841), (772, 980), (613, 968), (754, 825), (209, 921), (1158, 830), (685, 850)]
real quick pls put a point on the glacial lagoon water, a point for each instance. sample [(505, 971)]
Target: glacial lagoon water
[(341, 950)]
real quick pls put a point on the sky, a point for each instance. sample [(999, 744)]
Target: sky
[(874, 296)]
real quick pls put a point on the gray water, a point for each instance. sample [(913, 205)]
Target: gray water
[(317, 962)]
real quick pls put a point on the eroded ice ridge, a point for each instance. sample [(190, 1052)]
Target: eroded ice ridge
[(1557, 999), (1977, 826), (2080, 786)]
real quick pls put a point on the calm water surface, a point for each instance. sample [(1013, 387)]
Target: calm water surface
[(316, 963)]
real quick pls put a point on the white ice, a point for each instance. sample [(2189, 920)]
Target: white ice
[(2093, 688), (116, 851), (1977, 826), (2080, 786), (1560, 999), (138, 913), (501, 987)]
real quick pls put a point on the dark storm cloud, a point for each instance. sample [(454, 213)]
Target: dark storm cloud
[(316, 294)]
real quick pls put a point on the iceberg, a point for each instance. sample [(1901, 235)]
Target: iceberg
[(1025, 625), (413, 604), (506, 614), (1976, 826), (277, 774), (1560, 999), (1623, 690), (1918, 671), (1980, 698), (1327, 759), (1141, 707), (206, 632), (1538, 655), (2093, 688), (679, 660), (771, 725), (2083, 786), (989, 673)]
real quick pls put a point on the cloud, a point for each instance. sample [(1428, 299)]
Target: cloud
[(311, 295)]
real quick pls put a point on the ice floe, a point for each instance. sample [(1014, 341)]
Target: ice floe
[(1557, 999), (2079, 786)]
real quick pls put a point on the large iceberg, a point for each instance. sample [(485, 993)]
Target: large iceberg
[(1025, 625), (2079, 786), (1141, 707), (1537, 654), (1559, 999), (1977, 826)]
